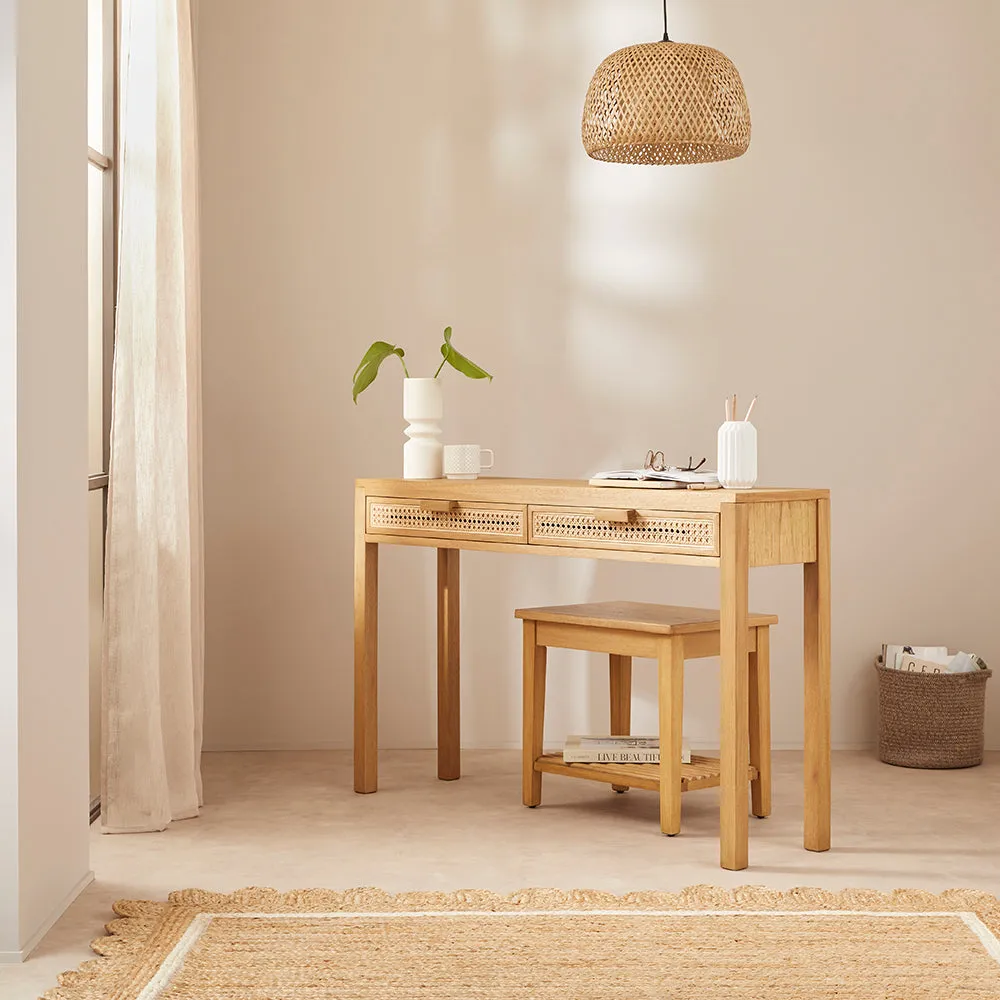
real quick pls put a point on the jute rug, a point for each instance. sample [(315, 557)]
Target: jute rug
[(699, 944)]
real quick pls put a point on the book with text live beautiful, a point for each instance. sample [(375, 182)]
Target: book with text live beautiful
[(615, 750)]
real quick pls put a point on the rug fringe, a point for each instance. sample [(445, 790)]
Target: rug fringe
[(372, 900)]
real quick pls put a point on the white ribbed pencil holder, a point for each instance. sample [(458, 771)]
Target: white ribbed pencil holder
[(737, 465)]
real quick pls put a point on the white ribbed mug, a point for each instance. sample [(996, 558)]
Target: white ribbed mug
[(466, 461), (737, 454)]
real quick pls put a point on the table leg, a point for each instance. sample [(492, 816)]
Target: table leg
[(670, 696), (620, 671), (365, 656), (734, 732), (817, 687), (448, 699)]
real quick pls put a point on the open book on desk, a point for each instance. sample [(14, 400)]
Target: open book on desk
[(668, 479)]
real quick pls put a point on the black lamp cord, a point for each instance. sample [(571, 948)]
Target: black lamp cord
[(666, 37)]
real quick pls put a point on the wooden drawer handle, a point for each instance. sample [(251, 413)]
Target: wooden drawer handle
[(620, 516), (444, 506)]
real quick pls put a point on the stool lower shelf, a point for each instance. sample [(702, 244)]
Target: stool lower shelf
[(702, 772)]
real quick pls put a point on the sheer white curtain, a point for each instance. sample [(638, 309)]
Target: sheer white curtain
[(154, 629)]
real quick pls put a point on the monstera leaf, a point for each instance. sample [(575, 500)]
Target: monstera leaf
[(459, 361), (365, 373)]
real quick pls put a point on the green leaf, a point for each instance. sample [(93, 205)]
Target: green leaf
[(364, 378), (461, 363), (380, 349), (365, 373)]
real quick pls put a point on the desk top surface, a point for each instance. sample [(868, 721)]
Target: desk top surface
[(577, 492)]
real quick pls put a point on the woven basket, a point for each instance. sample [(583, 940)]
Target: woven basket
[(931, 720)]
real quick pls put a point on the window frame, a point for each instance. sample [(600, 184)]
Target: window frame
[(106, 161)]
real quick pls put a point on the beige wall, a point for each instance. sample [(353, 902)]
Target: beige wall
[(379, 169), (43, 466)]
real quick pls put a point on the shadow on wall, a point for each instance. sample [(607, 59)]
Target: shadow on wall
[(583, 284), (380, 170)]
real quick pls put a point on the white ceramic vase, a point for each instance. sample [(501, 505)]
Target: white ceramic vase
[(423, 408), (737, 454)]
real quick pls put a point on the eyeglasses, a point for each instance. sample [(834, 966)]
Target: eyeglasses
[(655, 462)]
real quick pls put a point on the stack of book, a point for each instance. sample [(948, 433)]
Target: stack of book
[(930, 660), (616, 750)]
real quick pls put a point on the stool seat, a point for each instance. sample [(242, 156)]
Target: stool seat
[(632, 616)]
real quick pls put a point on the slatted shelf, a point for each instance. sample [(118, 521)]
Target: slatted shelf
[(702, 772)]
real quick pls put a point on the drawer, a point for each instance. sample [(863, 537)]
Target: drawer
[(488, 522), (677, 532)]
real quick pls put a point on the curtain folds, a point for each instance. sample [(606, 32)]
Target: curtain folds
[(154, 610)]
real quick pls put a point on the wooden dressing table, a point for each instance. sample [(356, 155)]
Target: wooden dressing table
[(732, 529)]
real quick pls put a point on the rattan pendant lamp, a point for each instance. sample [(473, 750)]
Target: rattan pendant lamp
[(666, 102)]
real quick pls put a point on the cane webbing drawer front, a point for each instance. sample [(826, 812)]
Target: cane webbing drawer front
[(487, 522), (643, 531)]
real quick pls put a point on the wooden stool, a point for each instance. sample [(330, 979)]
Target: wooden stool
[(669, 635)]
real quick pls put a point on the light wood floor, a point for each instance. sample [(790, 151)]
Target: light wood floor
[(290, 820)]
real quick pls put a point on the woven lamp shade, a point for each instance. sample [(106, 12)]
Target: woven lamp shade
[(666, 102)]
